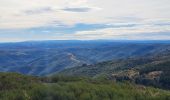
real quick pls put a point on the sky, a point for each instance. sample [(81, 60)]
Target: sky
[(25, 20)]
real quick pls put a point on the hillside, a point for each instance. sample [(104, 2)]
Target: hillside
[(15, 86), (148, 70), (85, 71), (46, 57)]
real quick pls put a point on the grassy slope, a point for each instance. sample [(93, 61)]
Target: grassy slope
[(18, 87)]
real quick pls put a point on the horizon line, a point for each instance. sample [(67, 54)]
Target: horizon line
[(114, 40)]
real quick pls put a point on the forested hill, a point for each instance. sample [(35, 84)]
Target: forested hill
[(152, 70)]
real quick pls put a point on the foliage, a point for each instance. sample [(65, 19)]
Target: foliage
[(19, 87), (151, 70)]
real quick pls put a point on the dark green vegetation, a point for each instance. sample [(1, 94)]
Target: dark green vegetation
[(150, 70), (19, 87), (46, 57)]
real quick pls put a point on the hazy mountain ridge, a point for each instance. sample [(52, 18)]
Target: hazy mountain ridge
[(46, 57)]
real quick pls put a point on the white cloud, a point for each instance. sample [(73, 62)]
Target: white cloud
[(111, 11), (136, 32), (23, 14)]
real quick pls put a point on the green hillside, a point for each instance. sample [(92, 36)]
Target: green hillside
[(152, 70), (19, 87)]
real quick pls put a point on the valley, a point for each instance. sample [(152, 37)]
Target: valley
[(46, 57)]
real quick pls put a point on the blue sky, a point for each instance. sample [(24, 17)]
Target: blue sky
[(25, 20)]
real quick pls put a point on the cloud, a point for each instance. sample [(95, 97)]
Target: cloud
[(81, 19), (80, 9), (57, 29), (39, 10), (111, 11), (135, 32), (163, 24)]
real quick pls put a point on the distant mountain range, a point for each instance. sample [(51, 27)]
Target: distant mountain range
[(47, 57)]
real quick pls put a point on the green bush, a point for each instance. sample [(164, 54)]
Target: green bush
[(21, 87)]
